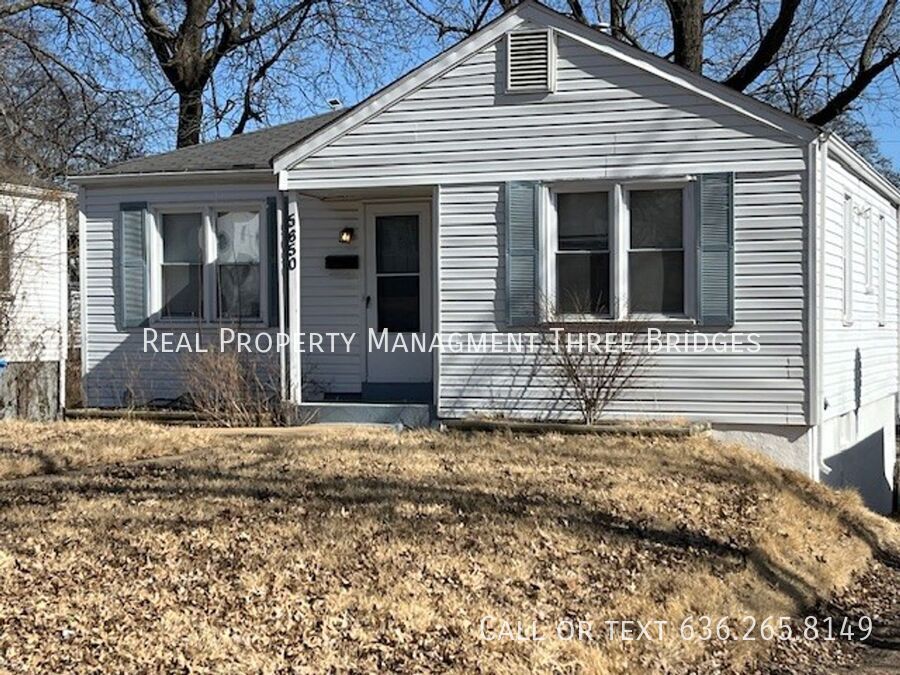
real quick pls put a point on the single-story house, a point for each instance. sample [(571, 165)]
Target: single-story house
[(33, 297), (535, 162)]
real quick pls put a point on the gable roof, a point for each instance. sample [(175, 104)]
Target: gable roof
[(252, 150), (533, 11)]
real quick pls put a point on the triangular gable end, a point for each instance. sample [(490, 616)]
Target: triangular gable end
[(531, 12)]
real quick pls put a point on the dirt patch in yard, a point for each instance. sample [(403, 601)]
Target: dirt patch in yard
[(372, 550)]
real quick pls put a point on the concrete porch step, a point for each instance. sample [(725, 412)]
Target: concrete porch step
[(411, 415)]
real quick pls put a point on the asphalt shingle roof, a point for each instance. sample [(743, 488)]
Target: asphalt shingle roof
[(252, 150)]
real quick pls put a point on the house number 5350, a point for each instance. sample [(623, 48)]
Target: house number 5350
[(291, 242)]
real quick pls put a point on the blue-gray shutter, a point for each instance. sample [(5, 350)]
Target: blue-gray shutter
[(521, 253), (272, 257), (715, 249), (132, 305)]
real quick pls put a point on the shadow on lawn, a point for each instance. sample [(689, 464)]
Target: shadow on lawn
[(279, 487)]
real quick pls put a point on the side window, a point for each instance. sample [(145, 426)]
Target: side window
[(182, 265), (582, 253), (882, 271), (848, 259), (870, 252), (656, 252)]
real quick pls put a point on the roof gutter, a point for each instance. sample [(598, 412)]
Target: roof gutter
[(844, 153), (170, 176)]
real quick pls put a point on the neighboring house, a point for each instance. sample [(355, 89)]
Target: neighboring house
[(33, 299), (536, 159)]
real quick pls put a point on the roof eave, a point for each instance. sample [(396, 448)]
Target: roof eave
[(169, 176)]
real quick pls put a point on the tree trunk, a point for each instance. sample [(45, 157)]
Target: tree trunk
[(687, 33), (190, 117)]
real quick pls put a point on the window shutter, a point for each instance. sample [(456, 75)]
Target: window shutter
[(715, 249), (132, 265), (521, 253), (272, 257)]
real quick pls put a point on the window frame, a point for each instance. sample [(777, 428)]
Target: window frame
[(553, 233), (619, 247), (847, 252), (209, 247), (687, 247), (882, 270)]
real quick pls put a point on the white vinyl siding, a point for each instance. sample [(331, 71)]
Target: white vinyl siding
[(606, 119), (38, 284), (873, 330), (332, 300), (762, 388), (114, 359)]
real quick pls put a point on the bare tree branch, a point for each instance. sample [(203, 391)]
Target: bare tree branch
[(768, 48)]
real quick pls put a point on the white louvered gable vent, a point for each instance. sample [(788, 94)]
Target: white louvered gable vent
[(530, 60)]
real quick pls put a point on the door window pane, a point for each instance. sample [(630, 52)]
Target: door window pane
[(583, 221), (656, 282), (398, 303), (656, 218), (582, 283), (396, 244), (182, 235), (237, 233), (239, 291), (182, 291)]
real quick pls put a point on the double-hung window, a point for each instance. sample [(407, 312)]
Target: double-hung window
[(211, 265), (620, 251), (583, 253)]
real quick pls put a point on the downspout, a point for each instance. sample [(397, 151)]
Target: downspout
[(817, 242)]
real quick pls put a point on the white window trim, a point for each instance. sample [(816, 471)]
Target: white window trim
[(619, 247), (870, 252), (882, 271), (847, 252), (210, 252)]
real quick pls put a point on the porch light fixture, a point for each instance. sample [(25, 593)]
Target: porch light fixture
[(346, 235)]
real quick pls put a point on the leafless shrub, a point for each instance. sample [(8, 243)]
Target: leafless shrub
[(591, 361), (233, 389)]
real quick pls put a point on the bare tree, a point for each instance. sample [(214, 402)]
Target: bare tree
[(815, 58), (589, 361), (227, 61)]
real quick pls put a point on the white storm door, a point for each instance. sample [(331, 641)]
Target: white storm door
[(398, 291)]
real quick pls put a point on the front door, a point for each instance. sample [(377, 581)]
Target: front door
[(398, 292)]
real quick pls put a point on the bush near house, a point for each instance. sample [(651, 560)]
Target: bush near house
[(363, 550)]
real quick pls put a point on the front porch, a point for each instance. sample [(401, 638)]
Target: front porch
[(361, 264)]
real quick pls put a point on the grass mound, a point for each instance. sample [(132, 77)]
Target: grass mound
[(367, 550)]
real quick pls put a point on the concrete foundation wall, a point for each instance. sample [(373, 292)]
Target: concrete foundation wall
[(859, 451), (790, 446)]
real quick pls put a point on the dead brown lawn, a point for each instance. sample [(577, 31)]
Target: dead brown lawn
[(365, 550), (28, 449)]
